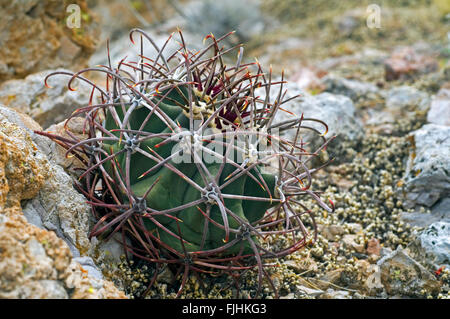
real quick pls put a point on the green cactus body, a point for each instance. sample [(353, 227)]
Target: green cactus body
[(172, 191)]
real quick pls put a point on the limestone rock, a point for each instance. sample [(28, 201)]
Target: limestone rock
[(335, 294), (36, 263), (439, 112), (57, 153), (352, 88), (337, 111), (406, 98), (302, 265), (45, 105), (43, 189), (400, 274), (428, 165), (435, 240)]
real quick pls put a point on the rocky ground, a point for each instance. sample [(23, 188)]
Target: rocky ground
[(385, 93)]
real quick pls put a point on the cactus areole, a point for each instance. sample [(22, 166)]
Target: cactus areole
[(182, 155)]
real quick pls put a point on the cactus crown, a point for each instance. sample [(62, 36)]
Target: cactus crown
[(182, 156)]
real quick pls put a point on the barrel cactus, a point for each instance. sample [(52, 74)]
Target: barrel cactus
[(182, 156)]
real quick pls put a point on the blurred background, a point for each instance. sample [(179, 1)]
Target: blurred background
[(290, 34)]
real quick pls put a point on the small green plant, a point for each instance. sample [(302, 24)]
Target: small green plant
[(184, 159)]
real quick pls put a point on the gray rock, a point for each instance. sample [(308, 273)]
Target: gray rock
[(370, 56), (220, 17), (58, 206), (439, 212), (88, 264), (45, 105), (427, 177), (439, 112), (402, 275), (407, 98), (335, 294), (110, 251), (26, 123), (33, 217), (61, 209), (435, 240), (385, 251), (347, 24), (35, 263), (54, 289), (309, 291), (352, 88), (337, 111), (122, 47)]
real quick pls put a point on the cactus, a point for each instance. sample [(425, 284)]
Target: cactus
[(183, 157)]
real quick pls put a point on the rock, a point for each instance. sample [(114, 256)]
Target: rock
[(308, 78), (290, 295), (118, 17), (331, 232), (380, 121), (351, 88), (332, 277), (345, 24), (337, 111), (302, 265), (36, 263), (34, 37), (308, 291), (349, 241), (85, 286), (373, 247), (400, 274), (56, 205), (88, 264), (354, 228), (439, 112), (406, 98), (428, 164), (439, 212), (335, 294), (373, 57), (405, 109), (217, 17), (384, 251), (28, 125), (45, 105), (405, 63), (57, 153), (62, 210), (435, 240), (367, 277)]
